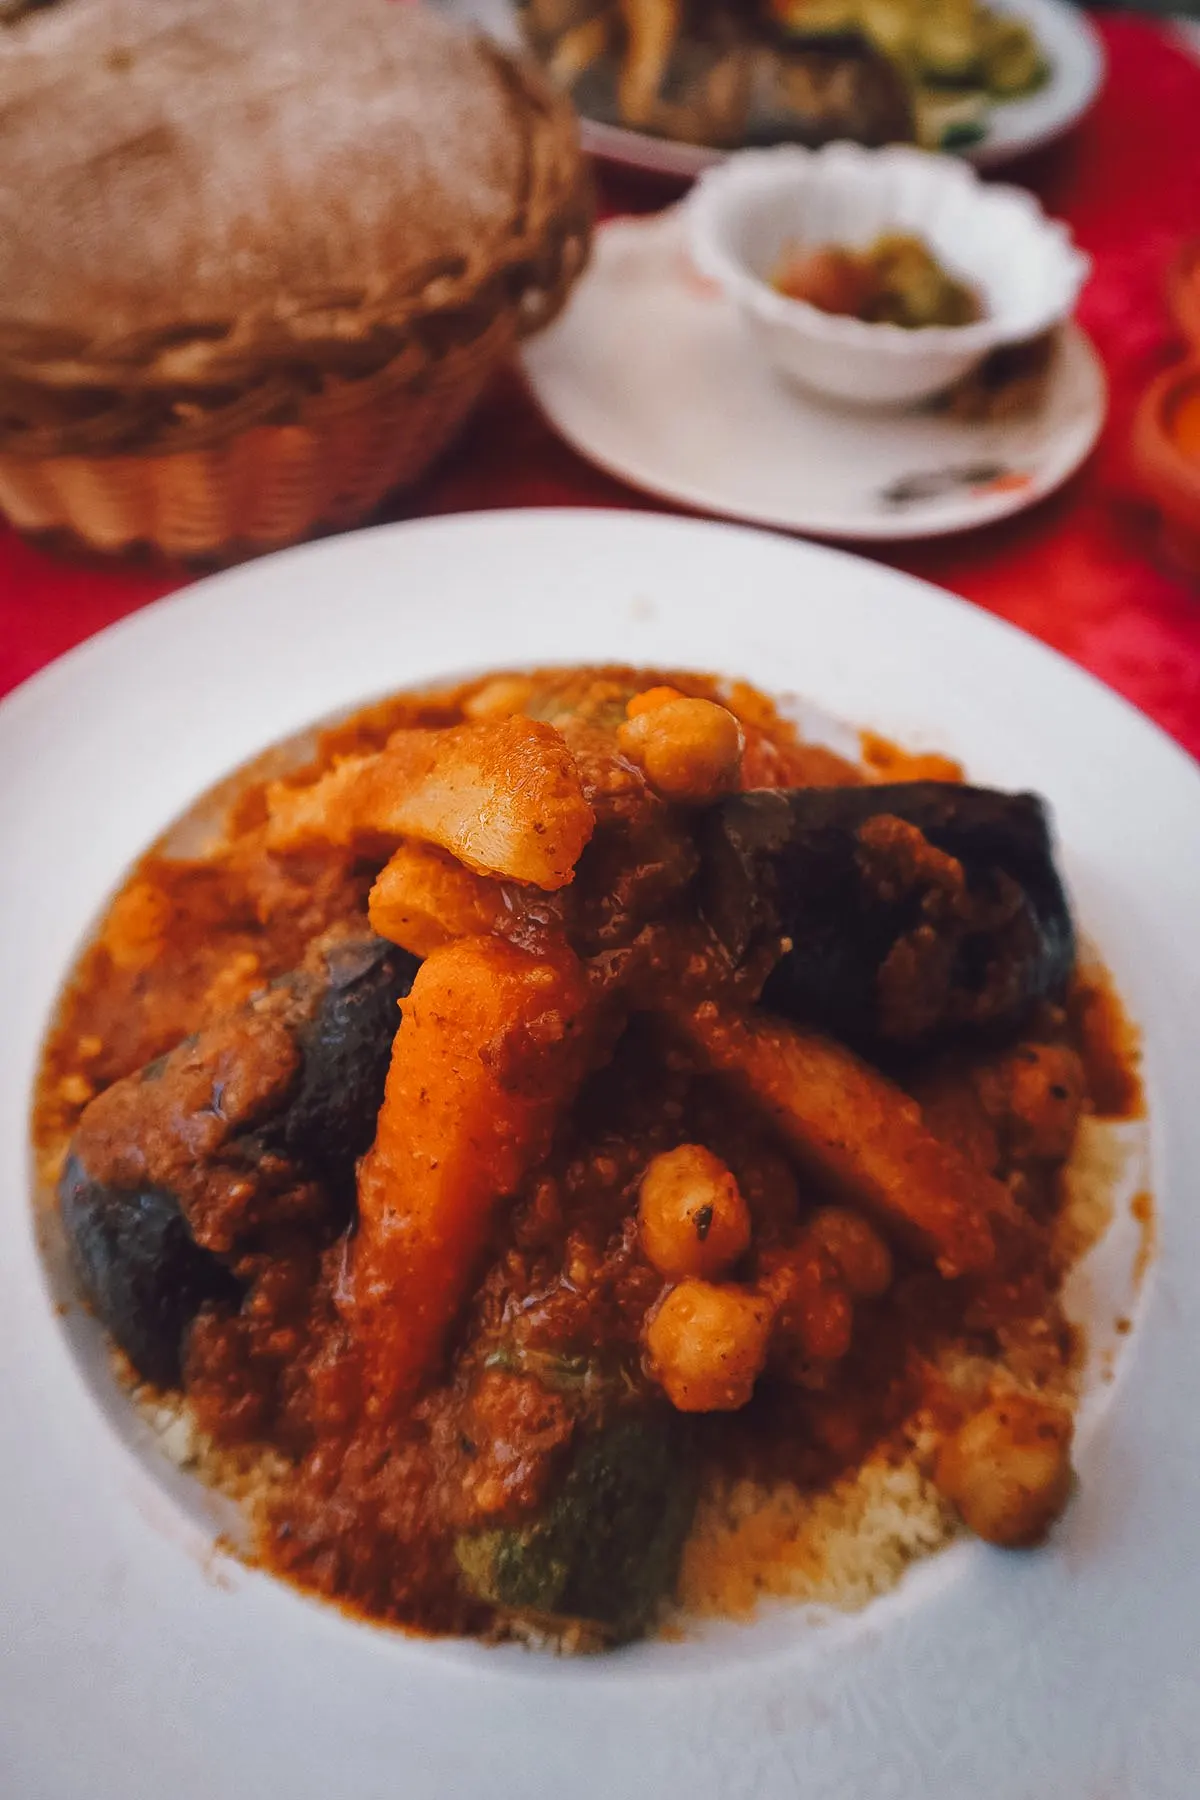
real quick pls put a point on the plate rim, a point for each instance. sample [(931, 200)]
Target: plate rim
[(918, 524), (764, 1698), (27, 690)]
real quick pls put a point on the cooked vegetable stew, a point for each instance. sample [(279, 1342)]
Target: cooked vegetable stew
[(897, 280), (571, 1098)]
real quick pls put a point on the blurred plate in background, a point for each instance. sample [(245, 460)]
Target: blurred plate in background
[(1071, 45)]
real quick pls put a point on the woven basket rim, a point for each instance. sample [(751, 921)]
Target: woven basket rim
[(212, 377), (259, 488)]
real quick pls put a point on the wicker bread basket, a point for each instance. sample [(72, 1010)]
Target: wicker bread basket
[(143, 411)]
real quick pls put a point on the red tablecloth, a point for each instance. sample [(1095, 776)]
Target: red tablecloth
[(1079, 571)]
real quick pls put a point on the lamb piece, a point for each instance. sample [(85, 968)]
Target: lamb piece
[(604, 1552), (918, 915), (258, 1119)]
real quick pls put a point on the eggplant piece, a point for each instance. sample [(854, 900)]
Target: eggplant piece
[(256, 1120), (605, 1552), (346, 1047), (141, 1268), (883, 951)]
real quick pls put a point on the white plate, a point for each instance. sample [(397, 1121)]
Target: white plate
[(135, 1662), (650, 374), (1015, 127)]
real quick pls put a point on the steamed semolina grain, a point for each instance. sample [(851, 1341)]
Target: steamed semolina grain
[(842, 1547)]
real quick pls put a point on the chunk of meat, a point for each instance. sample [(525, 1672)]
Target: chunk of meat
[(492, 1046), (189, 1124), (856, 1129), (502, 796), (241, 1121)]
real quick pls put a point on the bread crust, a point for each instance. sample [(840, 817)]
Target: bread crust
[(208, 208)]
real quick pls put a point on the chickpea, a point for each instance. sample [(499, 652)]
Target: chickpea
[(862, 1257), (706, 1345), (649, 699), (813, 1317), (1008, 1469), (500, 697), (75, 1090), (134, 929), (691, 1215), (689, 749), (1039, 1102)]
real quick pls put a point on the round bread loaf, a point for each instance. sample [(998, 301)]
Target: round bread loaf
[(208, 206)]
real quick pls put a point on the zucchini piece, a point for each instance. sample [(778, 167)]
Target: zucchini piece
[(949, 42), (1012, 61), (605, 1552), (912, 288), (948, 54), (824, 18), (889, 25), (945, 121), (962, 135)]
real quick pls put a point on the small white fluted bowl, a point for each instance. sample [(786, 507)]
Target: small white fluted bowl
[(743, 215)]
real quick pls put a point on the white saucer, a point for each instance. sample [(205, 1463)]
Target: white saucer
[(648, 374)]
